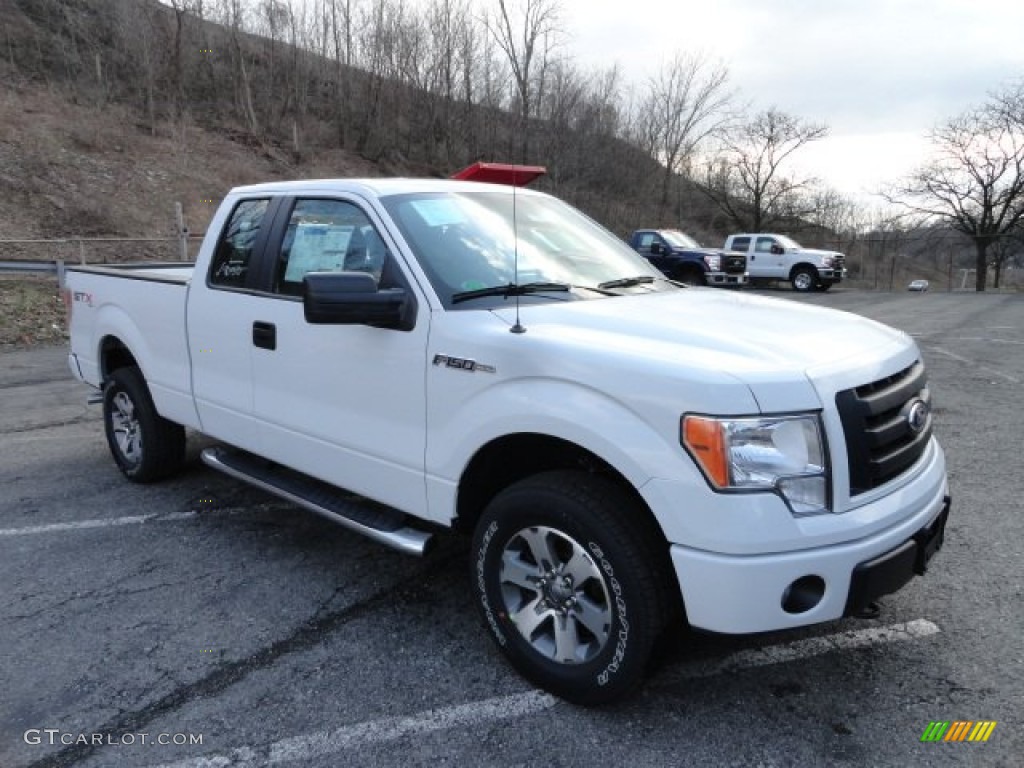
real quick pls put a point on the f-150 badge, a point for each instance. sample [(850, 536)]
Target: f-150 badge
[(462, 364)]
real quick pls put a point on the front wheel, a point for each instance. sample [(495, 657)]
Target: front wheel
[(573, 584), (145, 446), (804, 279)]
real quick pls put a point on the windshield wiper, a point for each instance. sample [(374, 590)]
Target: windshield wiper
[(626, 282), (512, 289)]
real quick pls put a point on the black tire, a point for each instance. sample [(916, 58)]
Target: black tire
[(145, 446), (804, 279), (608, 576), (822, 287)]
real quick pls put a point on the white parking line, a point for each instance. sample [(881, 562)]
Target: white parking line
[(801, 649), (113, 522), (320, 743), (103, 522), (299, 749)]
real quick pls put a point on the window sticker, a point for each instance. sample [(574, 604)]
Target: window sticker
[(438, 212), (317, 248)]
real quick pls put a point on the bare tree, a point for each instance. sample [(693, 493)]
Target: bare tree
[(686, 102), (527, 33), (974, 183), (140, 29), (748, 181)]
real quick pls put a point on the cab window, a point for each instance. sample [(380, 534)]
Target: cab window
[(328, 236), (230, 265)]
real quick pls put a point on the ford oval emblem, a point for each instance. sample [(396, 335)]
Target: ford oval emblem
[(917, 416)]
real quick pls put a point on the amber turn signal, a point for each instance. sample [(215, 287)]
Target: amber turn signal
[(705, 440)]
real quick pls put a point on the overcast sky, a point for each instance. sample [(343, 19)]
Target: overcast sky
[(880, 73)]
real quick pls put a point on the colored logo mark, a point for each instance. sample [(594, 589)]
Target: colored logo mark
[(958, 730)]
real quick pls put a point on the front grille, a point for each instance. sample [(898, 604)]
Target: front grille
[(735, 263), (838, 262), (880, 442)]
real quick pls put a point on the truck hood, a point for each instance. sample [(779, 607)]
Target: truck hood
[(699, 251), (814, 252), (773, 346)]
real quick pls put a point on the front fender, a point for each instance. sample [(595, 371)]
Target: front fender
[(609, 429)]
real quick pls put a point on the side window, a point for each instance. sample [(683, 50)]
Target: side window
[(741, 244), (645, 240), (764, 244), (230, 264), (328, 236)]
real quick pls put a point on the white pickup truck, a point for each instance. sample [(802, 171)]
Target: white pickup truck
[(777, 257), (629, 455)]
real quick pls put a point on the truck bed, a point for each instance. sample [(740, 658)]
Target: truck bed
[(142, 305), (167, 272)]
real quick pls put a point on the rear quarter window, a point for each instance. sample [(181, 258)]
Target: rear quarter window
[(230, 265)]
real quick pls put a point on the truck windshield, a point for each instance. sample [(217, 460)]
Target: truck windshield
[(787, 242), (467, 242), (679, 239)]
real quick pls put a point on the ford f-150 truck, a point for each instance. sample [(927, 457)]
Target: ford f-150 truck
[(486, 359), (777, 257), (681, 258)]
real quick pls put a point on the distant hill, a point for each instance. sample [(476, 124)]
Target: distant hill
[(113, 110)]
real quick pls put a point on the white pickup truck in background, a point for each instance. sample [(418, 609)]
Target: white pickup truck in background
[(777, 257), (486, 359)]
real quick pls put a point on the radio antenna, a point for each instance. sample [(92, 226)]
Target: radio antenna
[(518, 327)]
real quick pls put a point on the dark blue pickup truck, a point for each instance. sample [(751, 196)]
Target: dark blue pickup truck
[(681, 258)]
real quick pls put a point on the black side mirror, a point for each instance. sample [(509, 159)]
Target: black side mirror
[(656, 248), (777, 249), (352, 298)]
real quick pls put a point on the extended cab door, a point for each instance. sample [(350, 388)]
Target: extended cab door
[(344, 403), (222, 308)]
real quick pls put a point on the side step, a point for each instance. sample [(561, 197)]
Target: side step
[(376, 521)]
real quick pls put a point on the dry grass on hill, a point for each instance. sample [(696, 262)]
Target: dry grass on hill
[(31, 312)]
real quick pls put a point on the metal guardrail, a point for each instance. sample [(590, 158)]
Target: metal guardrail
[(36, 267), (57, 266), (48, 267)]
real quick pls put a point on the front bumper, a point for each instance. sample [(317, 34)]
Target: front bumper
[(739, 594), (890, 572), (726, 278), (832, 275)]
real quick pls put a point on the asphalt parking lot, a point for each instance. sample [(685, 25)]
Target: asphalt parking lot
[(232, 629)]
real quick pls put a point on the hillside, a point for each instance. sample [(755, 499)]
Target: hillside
[(113, 110)]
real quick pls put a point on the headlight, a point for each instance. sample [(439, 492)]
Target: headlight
[(826, 261), (784, 454), (713, 262)]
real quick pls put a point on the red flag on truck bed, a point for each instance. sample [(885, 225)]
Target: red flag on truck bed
[(501, 173)]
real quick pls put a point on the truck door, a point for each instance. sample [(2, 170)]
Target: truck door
[(344, 403), (221, 310), (769, 264)]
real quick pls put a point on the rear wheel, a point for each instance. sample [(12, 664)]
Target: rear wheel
[(573, 584), (145, 446)]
